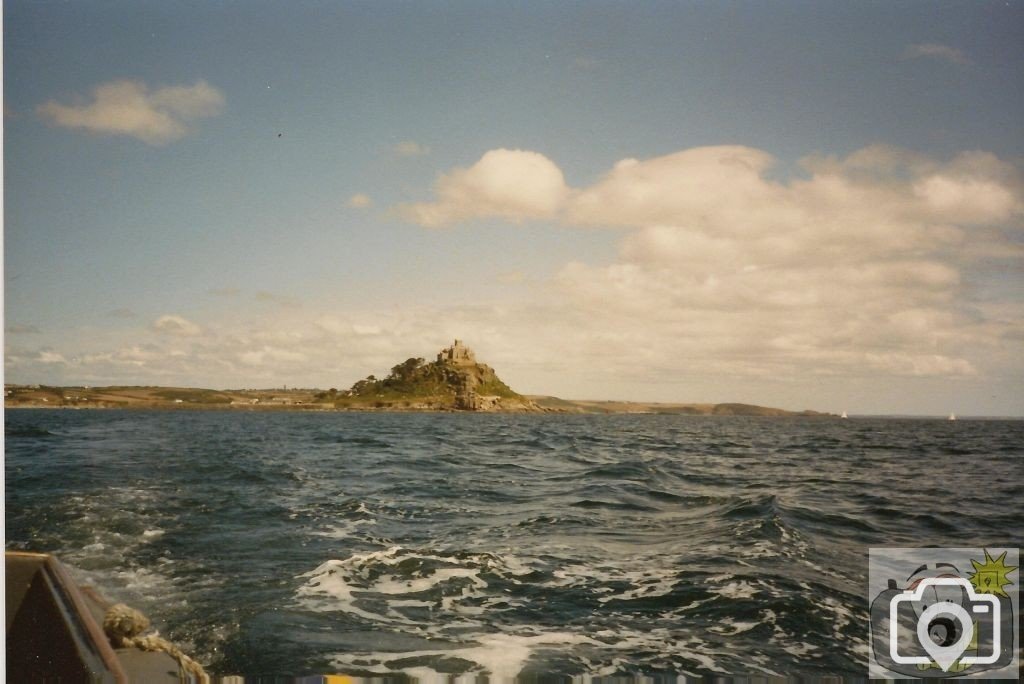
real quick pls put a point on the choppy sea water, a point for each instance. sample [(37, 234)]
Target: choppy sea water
[(501, 546)]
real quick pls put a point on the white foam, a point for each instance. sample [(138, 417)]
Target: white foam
[(663, 642), (729, 627), (395, 585), (799, 649), (647, 584), (370, 586), (415, 586), (740, 589), (411, 603), (502, 656), (328, 589), (340, 531)]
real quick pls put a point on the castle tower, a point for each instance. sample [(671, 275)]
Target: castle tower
[(458, 354)]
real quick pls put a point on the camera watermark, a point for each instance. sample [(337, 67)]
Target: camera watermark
[(943, 613)]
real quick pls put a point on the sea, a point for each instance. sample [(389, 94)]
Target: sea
[(489, 547)]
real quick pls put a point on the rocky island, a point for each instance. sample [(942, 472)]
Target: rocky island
[(454, 381)]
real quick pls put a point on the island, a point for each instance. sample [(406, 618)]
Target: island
[(453, 381)]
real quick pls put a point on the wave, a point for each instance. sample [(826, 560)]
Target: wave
[(491, 614), (354, 440), (404, 586), (14, 431), (503, 545)]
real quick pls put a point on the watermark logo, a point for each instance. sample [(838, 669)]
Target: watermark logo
[(944, 613)]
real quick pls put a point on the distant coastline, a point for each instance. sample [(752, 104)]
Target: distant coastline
[(188, 398), (454, 382)]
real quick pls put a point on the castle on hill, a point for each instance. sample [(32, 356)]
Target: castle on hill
[(458, 354), (455, 381)]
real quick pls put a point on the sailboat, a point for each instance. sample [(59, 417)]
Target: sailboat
[(844, 415), (952, 416)]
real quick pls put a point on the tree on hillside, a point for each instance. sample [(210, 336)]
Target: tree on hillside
[(364, 386), (406, 369)]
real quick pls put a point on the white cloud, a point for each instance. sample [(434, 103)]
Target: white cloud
[(719, 182), (341, 328), (411, 148), (271, 355), (360, 201), (176, 325), (967, 200), (332, 325), (857, 267), (130, 108), (935, 51), (138, 354), (730, 283), (512, 184)]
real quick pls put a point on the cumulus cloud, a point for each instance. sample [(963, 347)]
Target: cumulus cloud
[(171, 324), (131, 108), (271, 355), (513, 184), (360, 201), (731, 282), (46, 356), (340, 327), (935, 51), (704, 181), (858, 264)]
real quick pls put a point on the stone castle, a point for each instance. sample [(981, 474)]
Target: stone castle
[(458, 354)]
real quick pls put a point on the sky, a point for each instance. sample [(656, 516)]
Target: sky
[(794, 204)]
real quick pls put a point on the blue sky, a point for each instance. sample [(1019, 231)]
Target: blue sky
[(246, 194)]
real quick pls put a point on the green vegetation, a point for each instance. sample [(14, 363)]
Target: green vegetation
[(414, 382), (495, 387)]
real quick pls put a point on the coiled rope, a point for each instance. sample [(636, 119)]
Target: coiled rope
[(124, 626)]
